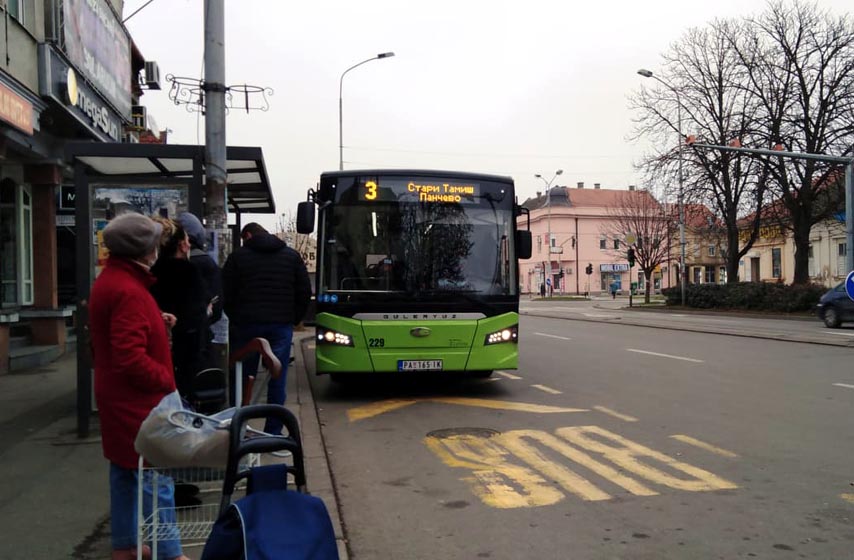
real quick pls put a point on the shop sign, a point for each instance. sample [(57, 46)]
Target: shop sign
[(16, 110), (98, 45), (613, 267), (64, 86), (67, 197)]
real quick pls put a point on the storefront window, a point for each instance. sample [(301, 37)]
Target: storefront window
[(26, 233), (8, 244), (16, 244)]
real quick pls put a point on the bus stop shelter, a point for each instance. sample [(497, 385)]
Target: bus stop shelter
[(110, 178)]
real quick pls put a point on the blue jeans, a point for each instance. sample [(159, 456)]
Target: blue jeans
[(123, 510), (279, 336)]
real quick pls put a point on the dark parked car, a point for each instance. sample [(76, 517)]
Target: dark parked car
[(835, 307)]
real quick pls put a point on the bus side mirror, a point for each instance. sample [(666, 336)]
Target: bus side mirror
[(305, 217), (524, 244)]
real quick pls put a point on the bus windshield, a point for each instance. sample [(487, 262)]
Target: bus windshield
[(419, 238)]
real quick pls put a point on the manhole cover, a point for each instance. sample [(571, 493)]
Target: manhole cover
[(475, 432)]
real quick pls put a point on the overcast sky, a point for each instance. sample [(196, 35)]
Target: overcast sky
[(507, 87)]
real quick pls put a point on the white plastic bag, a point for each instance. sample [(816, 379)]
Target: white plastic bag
[(174, 437)]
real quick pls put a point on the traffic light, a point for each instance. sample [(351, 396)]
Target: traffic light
[(589, 269), (631, 256)]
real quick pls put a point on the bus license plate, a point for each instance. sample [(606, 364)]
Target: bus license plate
[(419, 365)]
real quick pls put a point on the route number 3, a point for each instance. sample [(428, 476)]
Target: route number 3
[(371, 188)]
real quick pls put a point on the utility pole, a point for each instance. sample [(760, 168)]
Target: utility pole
[(216, 217)]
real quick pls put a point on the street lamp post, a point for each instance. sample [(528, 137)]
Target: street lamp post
[(341, 106), (681, 198), (549, 214)]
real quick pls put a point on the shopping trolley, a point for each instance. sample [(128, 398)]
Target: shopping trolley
[(192, 524)]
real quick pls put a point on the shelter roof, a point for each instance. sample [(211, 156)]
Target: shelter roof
[(248, 190)]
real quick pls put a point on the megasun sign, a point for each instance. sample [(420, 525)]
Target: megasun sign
[(59, 81), (15, 110)]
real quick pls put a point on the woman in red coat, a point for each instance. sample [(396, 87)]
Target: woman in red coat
[(133, 371)]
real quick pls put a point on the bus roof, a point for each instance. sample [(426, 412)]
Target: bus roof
[(420, 173)]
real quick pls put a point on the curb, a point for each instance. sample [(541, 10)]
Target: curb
[(784, 337), (663, 309), (318, 471)]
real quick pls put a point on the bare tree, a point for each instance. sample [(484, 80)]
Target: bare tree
[(706, 70), (799, 61), (639, 213), (286, 229)]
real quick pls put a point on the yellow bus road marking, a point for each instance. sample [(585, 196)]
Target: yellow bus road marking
[(513, 470), (615, 414), (375, 409), (504, 405), (703, 445), (672, 357), (573, 483), (494, 479), (547, 389), (507, 375), (847, 497)]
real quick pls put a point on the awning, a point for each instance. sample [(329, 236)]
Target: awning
[(248, 184)]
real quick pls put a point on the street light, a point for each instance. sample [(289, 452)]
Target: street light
[(549, 205), (684, 273), (340, 106)]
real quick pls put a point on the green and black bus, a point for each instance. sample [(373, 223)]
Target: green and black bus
[(417, 271)]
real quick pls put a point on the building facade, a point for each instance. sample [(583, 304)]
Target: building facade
[(68, 71), (582, 229)]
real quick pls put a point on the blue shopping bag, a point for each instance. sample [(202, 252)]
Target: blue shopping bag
[(272, 523)]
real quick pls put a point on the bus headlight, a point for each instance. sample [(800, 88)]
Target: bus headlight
[(327, 336), (510, 334)]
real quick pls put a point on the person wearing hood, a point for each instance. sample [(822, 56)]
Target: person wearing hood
[(266, 291), (205, 264)]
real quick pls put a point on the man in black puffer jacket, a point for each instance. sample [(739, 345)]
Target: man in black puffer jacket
[(266, 291)]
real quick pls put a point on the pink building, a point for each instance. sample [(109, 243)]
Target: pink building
[(579, 221)]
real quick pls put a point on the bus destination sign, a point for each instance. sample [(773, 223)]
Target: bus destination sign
[(420, 190)]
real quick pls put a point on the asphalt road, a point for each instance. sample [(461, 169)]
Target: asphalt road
[(610, 441)]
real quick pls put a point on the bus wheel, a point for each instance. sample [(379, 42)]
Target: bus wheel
[(482, 374)]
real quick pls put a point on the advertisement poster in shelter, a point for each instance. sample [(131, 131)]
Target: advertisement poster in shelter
[(109, 201)]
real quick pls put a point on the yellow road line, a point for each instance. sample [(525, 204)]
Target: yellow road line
[(547, 389), (504, 405), (615, 414), (375, 409), (507, 375), (703, 445), (847, 497)]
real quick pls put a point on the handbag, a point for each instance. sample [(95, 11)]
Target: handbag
[(175, 437)]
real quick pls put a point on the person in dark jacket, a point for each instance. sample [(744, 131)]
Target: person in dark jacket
[(181, 291), (266, 291), (205, 264)]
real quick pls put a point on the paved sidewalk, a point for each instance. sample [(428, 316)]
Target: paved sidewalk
[(54, 495)]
